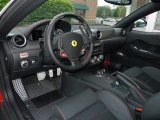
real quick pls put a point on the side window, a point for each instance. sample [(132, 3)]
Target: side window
[(140, 25), (157, 25), (150, 23)]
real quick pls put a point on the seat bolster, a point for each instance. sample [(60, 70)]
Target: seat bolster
[(72, 106), (87, 105), (144, 86), (133, 72), (151, 110), (117, 107), (153, 72)]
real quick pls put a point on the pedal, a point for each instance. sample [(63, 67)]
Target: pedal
[(19, 88), (41, 76), (59, 72), (50, 72)]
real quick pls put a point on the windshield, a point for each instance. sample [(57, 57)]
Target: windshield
[(95, 12), (111, 14)]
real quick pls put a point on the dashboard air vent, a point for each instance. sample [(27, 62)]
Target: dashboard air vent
[(99, 35), (19, 41)]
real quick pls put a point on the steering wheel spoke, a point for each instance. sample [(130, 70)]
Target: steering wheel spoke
[(75, 62), (86, 38), (56, 43)]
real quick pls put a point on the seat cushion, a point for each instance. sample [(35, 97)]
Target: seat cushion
[(148, 78), (89, 105)]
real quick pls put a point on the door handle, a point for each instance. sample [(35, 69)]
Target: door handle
[(143, 52), (140, 50)]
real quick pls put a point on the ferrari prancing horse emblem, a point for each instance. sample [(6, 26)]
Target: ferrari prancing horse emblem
[(74, 43)]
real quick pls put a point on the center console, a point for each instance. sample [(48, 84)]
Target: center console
[(121, 86), (97, 55)]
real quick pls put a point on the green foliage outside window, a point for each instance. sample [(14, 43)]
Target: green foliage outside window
[(119, 12), (106, 11), (3, 3), (48, 10)]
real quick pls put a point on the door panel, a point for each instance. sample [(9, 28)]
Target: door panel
[(141, 49), (144, 49)]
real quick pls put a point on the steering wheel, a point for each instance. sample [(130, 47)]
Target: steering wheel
[(71, 43)]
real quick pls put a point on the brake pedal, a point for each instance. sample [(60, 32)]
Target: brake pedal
[(19, 88)]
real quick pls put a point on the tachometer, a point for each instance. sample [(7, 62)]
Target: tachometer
[(58, 32)]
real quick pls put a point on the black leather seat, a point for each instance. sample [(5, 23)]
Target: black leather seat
[(148, 78), (88, 105)]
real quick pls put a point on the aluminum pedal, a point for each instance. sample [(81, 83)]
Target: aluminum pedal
[(19, 88)]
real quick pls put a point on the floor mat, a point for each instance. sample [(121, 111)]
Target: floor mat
[(39, 88), (47, 98), (42, 113), (42, 96)]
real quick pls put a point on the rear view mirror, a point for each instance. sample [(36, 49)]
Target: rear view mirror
[(119, 2)]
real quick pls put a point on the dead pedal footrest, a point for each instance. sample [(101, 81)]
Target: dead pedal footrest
[(19, 88)]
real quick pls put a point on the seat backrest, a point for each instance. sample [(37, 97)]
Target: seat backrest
[(152, 108)]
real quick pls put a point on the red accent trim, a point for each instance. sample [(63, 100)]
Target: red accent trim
[(139, 109), (1, 98), (106, 62)]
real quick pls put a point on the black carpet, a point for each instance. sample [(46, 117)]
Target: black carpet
[(47, 98)]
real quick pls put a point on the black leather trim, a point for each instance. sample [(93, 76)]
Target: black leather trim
[(146, 77), (74, 105), (102, 105), (116, 105), (152, 108)]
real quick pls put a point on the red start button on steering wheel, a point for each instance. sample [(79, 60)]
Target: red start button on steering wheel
[(63, 54)]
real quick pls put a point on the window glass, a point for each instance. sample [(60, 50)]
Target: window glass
[(150, 23), (140, 24), (157, 24), (94, 11)]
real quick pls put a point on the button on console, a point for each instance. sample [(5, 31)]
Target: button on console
[(24, 64), (33, 62)]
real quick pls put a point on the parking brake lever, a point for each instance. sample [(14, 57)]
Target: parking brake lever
[(135, 90), (126, 79)]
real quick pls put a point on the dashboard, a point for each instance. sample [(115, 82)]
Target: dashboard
[(61, 27), (25, 53)]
